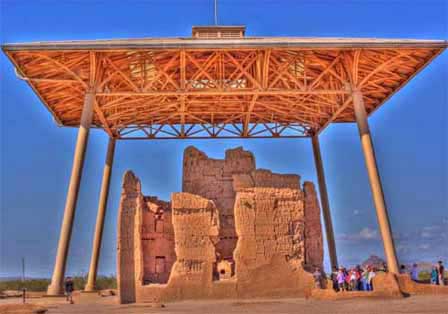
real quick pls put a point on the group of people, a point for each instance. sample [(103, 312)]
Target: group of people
[(361, 278), (437, 276), (354, 279)]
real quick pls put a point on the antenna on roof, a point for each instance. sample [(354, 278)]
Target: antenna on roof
[(216, 12)]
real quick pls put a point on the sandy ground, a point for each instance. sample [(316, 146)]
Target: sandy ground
[(108, 305)]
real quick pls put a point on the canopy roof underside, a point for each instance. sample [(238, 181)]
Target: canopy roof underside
[(194, 88)]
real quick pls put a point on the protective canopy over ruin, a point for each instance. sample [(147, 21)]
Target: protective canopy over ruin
[(234, 231), (220, 86)]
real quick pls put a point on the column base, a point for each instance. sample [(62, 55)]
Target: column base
[(90, 289), (55, 291)]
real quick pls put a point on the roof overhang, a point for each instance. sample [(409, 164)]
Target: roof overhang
[(244, 43), (207, 88)]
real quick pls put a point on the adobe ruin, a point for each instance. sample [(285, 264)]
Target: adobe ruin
[(233, 232)]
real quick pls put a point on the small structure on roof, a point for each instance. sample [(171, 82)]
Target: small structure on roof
[(221, 31)]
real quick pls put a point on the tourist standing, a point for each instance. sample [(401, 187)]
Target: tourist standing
[(353, 280), (414, 272), (365, 279), (334, 279), (402, 269), (69, 287), (359, 278), (341, 279), (434, 276), (317, 278), (347, 279), (372, 275), (441, 271)]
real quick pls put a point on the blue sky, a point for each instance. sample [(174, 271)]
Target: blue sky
[(410, 132)]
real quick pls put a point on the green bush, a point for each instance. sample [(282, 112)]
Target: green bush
[(424, 276), (102, 282), (30, 285), (106, 282)]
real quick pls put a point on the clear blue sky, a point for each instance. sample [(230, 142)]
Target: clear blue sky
[(410, 132)]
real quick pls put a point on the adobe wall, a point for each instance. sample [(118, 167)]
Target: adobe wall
[(157, 237), (407, 285), (196, 229), (314, 253), (212, 179), (262, 223), (270, 225), (145, 240), (268, 255), (131, 199)]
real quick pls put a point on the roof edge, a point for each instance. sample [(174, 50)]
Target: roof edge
[(247, 42)]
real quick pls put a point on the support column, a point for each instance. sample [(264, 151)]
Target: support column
[(375, 182), (90, 286), (324, 202), (56, 286)]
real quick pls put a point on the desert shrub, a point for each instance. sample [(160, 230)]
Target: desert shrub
[(106, 282), (79, 282), (424, 276), (30, 284), (102, 282)]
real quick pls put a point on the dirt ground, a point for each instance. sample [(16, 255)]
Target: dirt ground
[(108, 305)]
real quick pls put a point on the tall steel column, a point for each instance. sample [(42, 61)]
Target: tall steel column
[(90, 286), (375, 182), (324, 202), (56, 286)]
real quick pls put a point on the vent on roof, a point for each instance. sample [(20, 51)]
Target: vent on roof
[(218, 32)]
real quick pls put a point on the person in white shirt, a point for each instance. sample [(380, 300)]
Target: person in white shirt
[(372, 275)]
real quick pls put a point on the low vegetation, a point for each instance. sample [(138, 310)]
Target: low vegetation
[(102, 282)]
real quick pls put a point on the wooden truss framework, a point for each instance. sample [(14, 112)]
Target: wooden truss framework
[(216, 92)]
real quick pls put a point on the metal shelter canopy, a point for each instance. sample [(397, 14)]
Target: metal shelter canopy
[(217, 88)]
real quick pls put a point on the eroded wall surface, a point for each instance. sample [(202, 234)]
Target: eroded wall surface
[(157, 237), (270, 225), (212, 179), (196, 230), (131, 199), (269, 222), (314, 253), (264, 224)]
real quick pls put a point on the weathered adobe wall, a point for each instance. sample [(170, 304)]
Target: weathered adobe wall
[(145, 240), (312, 237), (131, 199), (212, 179), (196, 229), (219, 180), (314, 253), (269, 255), (157, 237), (407, 285), (269, 261)]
